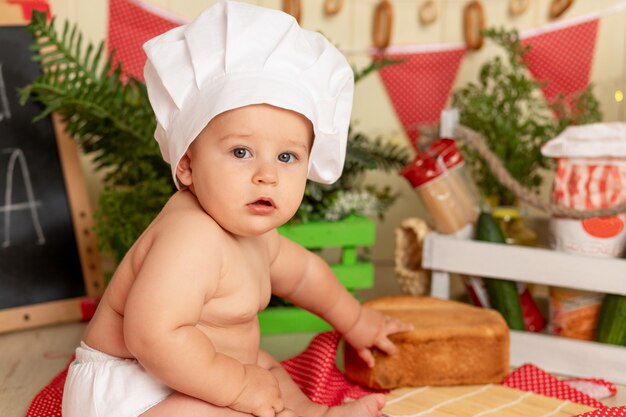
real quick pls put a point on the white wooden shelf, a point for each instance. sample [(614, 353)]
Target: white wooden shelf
[(444, 255)]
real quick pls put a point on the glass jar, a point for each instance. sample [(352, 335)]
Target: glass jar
[(439, 178), (514, 227)]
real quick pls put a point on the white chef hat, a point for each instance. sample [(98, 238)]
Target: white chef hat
[(236, 54)]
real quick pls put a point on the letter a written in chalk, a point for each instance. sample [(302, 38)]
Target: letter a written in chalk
[(17, 159)]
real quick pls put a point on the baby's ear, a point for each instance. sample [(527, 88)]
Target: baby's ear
[(183, 170)]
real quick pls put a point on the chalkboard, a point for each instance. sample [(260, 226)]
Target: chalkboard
[(49, 265)]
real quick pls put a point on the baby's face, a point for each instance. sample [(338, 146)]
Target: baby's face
[(249, 167)]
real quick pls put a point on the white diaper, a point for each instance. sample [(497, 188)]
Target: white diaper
[(100, 385)]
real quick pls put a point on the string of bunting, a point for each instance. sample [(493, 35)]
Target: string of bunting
[(419, 87), (474, 20)]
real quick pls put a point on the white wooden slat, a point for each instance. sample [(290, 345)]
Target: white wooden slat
[(541, 266), (440, 284), (570, 357)]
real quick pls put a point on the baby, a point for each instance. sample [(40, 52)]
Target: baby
[(248, 106)]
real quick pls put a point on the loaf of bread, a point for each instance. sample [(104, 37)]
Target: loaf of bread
[(452, 344)]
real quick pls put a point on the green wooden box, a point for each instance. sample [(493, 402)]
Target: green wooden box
[(348, 234)]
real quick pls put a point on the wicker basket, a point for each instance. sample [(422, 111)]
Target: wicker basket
[(412, 278)]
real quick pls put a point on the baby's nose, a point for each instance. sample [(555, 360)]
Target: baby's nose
[(265, 174)]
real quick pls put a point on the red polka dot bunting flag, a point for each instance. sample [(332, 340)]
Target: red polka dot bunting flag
[(419, 87), (131, 24), (563, 57)]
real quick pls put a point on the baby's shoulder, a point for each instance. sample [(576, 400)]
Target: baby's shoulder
[(181, 219)]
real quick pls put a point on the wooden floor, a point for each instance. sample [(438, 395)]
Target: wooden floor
[(30, 359)]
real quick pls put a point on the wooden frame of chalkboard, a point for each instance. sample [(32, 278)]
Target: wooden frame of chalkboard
[(50, 269)]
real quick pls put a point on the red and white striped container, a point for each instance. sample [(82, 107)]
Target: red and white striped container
[(591, 174), (589, 184)]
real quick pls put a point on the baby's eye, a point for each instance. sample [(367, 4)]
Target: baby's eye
[(286, 157), (241, 153)]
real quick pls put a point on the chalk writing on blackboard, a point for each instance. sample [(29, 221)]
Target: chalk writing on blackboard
[(31, 204), (5, 110), (49, 263), (39, 254)]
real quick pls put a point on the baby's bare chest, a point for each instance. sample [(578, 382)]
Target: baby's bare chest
[(244, 288)]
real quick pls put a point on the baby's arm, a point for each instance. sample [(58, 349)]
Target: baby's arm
[(306, 280), (179, 274)]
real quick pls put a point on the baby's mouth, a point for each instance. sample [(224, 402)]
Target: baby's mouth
[(263, 202)]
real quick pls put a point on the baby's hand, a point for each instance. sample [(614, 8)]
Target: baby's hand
[(260, 395), (371, 330)]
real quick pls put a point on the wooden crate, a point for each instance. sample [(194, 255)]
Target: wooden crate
[(445, 255)]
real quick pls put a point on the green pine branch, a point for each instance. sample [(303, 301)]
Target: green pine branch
[(112, 120), (506, 106), (110, 117)]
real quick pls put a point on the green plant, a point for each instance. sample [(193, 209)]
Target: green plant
[(349, 195), (113, 122), (506, 106), (111, 118)]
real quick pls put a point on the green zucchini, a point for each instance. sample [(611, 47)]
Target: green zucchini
[(502, 293), (612, 321)]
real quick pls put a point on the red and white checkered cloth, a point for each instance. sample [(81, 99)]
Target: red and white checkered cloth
[(606, 412), (533, 379), (48, 402), (315, 372)]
